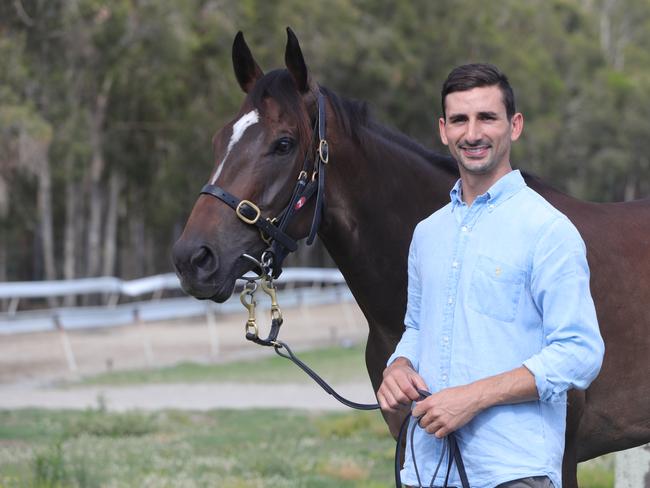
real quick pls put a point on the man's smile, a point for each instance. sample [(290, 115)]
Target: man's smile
[(475, 151)]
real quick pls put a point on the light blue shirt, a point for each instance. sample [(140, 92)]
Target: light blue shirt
[(491, 287)]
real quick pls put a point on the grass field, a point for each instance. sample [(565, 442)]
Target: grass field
[(229, 449), (335, 364), (223, 448), (187, 449)]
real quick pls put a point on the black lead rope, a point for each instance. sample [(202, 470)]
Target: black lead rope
[(450, 447), (321, 382)]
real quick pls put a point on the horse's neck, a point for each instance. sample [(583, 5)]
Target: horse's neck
[(377, 193)]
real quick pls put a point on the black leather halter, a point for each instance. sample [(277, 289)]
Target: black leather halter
[(273, 230)]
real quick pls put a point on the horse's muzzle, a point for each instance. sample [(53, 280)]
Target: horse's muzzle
[(197, 267)]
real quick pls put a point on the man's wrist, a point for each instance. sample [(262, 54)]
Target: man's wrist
[(514, 386), (401, 361)]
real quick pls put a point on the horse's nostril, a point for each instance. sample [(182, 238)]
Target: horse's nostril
[(204, 259)]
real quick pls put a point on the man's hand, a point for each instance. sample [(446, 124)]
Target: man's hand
[(400, 386), (449, 409)]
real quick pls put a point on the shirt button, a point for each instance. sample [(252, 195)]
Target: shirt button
[(454, 264), (445, 339), (450, 300), (491, 206), (443, 377), (464, 228)]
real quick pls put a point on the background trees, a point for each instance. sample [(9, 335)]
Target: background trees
[(107, 109)]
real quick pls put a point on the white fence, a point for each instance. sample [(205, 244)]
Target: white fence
[(301, 286)]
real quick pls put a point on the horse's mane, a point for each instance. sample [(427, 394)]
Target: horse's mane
[(352, 115)]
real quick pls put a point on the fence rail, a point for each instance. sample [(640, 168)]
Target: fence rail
[(301, 286)]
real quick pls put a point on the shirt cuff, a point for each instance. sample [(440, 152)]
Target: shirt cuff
[(545, 389), (403, 352)]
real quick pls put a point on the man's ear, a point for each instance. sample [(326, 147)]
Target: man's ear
[(517, 126), (441, 129)]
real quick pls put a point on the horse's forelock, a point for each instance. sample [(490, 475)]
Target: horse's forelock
[(351, 115), (279, 86)]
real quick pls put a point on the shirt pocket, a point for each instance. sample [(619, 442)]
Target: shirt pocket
[(496, 289)]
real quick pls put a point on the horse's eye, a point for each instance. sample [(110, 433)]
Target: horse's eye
[(283, 145)]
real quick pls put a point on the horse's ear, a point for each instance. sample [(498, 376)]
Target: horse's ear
[(295, 62), (246, 69)]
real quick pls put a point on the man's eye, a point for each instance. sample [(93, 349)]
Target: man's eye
[(283, 145)]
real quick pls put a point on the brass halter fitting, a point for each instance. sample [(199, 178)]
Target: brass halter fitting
[(247, 298), (324, 151), (245, 219), (269, 288)]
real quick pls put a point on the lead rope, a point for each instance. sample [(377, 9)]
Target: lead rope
[(450, 445)]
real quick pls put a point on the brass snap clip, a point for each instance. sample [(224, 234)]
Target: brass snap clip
[(247, 298), (269, 288)]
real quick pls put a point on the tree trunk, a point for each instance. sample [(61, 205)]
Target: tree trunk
[(72, 234), (95, 193), (110, 234), (3, 258), (44, 203), (4, 212), (133, 257)]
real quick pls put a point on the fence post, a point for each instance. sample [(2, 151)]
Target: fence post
[(67, 347), (146, 342), (213, 333), (633, 468), (13, 306)]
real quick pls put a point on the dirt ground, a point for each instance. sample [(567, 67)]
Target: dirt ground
[(43, 357), (32, 365)]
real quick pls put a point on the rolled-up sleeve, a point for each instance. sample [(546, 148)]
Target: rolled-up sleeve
[(408, 345), (573, 347)]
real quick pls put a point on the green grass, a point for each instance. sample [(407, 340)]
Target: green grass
[(269, 448), (597, 473), (333, 364), (229, 449)]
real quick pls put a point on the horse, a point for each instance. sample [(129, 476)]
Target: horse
[(380, 184)]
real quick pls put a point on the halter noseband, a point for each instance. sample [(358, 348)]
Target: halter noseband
[(273, 230)]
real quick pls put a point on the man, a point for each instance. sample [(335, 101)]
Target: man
[(500, 322)]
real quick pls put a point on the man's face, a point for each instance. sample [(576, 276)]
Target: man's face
[(477, 130)]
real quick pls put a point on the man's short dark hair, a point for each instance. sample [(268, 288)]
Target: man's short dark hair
[(476, 75)]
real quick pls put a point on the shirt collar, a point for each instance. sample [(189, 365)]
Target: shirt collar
[(456, 195), (503, 189)]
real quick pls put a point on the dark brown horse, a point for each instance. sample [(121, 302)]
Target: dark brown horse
[(379, 185)]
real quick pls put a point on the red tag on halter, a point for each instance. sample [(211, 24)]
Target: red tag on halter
[(300, 203)]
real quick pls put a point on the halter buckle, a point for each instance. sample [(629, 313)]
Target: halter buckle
[(265, 237), (245, 219), (324, 151)]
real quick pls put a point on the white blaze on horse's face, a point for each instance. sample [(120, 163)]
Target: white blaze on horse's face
[(238, 130)]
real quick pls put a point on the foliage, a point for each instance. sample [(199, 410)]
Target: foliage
[(130, 93)]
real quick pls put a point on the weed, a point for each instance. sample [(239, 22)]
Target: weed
[(350, 425), (102, 424), (49, 467)]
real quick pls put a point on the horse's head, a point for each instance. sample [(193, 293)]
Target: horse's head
[(259, 156)]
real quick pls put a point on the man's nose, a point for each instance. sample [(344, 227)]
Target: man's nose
[(473, 131)]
